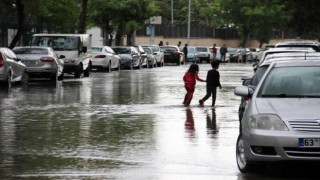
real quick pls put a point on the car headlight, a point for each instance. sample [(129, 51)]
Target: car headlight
[(267, 122)]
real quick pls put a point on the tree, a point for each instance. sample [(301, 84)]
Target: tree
[(83, 17), (305, 17), (20, 12), (252, 17), (122, 17)]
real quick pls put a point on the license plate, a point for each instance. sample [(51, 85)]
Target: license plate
[(309, 142)]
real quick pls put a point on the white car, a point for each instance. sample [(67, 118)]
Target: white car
[(204, 53), (152, 62), (11, 68), (41, 62), (157, 54), (103, 57)]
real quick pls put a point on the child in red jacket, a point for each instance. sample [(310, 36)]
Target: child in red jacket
[(189, 79)]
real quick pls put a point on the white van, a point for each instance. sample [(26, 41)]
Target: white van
[(76, 49)]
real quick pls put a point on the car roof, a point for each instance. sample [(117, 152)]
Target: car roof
[(291, 57), (297, 43), (296, 63)]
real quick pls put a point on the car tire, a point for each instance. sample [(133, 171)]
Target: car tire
[(86, 73), (25, 78), (108, 69), (118, 67), (243, 165), (78, 72), (9, 79)]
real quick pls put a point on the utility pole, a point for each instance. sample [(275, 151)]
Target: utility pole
[(189, 17), (171, 12)]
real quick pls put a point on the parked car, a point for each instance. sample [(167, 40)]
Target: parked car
[(144, 59), (193, 55), (278, 50), (254, 52), (152, 62), (204, 53), (172, 54), (261, 69), (158, 54), (232, 55), (281, 121), (129, 57), (75, 47), (12, 70), (41, 62), (311, 44), (103, 57)]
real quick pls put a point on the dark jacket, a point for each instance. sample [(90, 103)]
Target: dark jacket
[(213, 78)]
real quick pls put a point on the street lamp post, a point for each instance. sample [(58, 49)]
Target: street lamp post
[(189, 17)]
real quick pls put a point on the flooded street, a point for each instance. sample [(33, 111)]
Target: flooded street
[(122, 125)]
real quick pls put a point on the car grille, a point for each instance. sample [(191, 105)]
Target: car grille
[(309, 126), (303, 152)]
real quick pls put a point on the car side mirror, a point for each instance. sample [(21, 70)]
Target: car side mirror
[(62, 56)]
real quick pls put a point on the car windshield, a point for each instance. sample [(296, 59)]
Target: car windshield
[(163, 48), (290, 82), (191, 50), (96, 49), (202, 49), (122, 50), (58, 43), (30, 51), (147, 50), (232, 50)]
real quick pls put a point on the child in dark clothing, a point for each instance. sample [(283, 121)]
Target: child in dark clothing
[(213, 81), (189, 79)]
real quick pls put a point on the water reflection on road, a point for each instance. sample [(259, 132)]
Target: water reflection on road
[(120, 125)]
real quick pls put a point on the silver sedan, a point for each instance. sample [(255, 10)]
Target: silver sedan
[(11, 68), (282, 119), (41, 62)]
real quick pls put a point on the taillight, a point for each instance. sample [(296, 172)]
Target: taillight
[(46, 59), (1, 60), (100, 56)]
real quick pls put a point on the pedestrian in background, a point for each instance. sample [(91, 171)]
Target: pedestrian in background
[(214, 52), (179, 44), (185, 51), (189, 80), (213, 81), (167, 43), (223, 52), (161, 43)]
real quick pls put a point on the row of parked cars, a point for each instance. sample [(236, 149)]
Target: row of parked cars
[(21, 63), (279, 110)]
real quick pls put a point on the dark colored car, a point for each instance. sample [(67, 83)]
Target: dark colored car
[(172, 54), (129, 57)]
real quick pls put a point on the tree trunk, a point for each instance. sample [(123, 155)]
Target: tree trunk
[(83, 17), (17, 37)]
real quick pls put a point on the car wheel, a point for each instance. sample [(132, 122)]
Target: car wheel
[(9, 79), (25, 79), (131, 67), (78, 72), (118, 67), (86, 72), (243, 165), (108, 69), (155, 64)]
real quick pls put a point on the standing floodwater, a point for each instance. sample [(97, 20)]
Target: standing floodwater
[(121, 125)]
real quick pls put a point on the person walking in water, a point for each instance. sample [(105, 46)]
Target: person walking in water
[(189, 79), (213, 81)]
